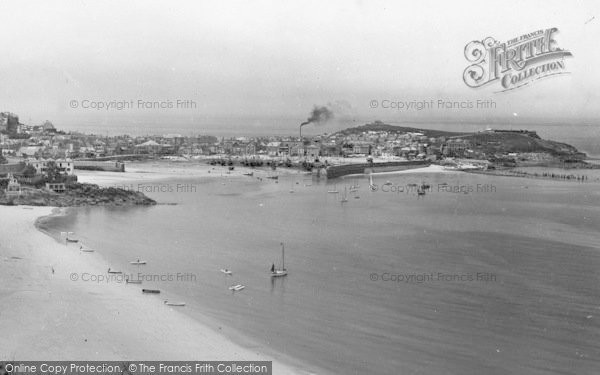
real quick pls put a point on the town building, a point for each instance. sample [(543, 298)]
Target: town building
[(57, 187), (14, 187)]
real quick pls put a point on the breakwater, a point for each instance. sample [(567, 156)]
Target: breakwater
[(110, 166), (335, 171)]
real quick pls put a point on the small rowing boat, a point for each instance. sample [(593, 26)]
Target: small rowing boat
[(174, 303), (128, 281), (334, 190), (114, 271), (226, 271), (138, 262), (151, 291), (236, 288)]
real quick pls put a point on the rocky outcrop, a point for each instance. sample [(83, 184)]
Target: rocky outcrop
[(78, 195)]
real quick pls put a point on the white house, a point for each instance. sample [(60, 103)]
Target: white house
[(64, 165)]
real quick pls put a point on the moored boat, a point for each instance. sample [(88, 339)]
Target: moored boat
[(128, 281), (281, 271)]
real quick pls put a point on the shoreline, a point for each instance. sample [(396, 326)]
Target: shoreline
[(53, 317), (528, 175), (158, 171)]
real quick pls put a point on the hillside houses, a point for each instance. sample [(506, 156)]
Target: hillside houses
[(43, 141), (58, 145)]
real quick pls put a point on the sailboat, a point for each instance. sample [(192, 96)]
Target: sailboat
[(280, 272), (371, 184), (354, 187), (345, 196)]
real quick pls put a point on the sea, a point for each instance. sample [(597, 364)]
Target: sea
[(481, 275)]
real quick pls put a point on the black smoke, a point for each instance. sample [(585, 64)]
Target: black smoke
[(320, 115)]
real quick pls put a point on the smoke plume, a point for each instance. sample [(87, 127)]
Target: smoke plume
[(319, 116)]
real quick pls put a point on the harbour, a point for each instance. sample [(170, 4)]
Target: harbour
[(483, 267)]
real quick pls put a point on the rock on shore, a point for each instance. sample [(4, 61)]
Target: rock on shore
[(79, 195)]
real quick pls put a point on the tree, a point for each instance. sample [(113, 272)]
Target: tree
[(53, 173), (29, 171)]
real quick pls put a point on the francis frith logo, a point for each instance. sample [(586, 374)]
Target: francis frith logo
[(515, 63)]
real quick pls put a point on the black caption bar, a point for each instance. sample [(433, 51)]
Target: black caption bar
[(136, 367)]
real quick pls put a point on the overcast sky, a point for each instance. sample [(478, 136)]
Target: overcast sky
[(276, 59)]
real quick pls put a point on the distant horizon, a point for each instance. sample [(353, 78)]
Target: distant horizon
[(215, 126), (208, 60)]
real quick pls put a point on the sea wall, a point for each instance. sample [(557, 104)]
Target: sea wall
[(109, 166), (392, 166)]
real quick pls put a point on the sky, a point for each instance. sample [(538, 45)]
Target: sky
[(263, 65)]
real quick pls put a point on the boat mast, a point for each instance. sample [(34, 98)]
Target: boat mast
[(282, 256)]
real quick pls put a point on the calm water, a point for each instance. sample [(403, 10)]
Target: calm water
[(500, 282)]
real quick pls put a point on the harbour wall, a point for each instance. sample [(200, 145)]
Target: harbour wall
[(335, 171), (109, 166)]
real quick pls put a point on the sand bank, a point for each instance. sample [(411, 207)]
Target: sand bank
[(48, 316)]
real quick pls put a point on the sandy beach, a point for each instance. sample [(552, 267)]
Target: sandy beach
[(47, 315)]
